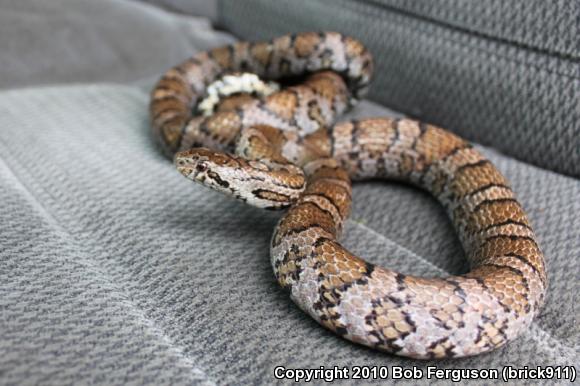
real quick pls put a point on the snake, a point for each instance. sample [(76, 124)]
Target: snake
[(285, 150)]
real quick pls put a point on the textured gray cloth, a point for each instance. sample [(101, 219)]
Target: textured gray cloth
[(502, 73), (205, 8), (61, 41), (115, 269)]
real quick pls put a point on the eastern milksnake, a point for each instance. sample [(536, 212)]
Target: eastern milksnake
[(284, 150)]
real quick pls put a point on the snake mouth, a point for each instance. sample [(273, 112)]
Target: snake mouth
[(199, 178), (192, 174), (186, 171)]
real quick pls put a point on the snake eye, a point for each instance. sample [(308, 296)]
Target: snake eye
[(201, 167)]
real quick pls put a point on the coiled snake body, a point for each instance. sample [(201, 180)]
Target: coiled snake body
[(282, 150)]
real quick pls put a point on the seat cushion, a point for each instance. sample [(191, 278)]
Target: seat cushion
[(68, 41), (117, 269)]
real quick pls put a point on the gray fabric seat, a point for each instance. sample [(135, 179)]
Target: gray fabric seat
[(114, 269)]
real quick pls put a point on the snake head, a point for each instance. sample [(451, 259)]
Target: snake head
[(205, 166), (259, 183)]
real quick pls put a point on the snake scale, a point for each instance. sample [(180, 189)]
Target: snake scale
[(284, 150)]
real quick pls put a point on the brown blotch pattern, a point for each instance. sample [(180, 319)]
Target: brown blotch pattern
[(283, 104), (305, 44)]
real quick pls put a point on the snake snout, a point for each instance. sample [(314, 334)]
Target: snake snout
[(184, 166)]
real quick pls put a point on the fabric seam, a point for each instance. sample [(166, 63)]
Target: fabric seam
[(54, 219)]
